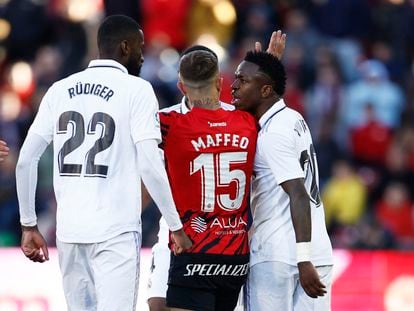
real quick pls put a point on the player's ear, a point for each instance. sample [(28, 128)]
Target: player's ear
[(124, 46), (219, 84), (181, 87), (267, 90)]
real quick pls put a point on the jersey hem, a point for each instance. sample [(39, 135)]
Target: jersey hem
[(97, 239), (316, 263)]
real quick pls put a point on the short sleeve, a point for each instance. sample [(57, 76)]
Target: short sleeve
[(43, 124), (280, 153), (145, 123)]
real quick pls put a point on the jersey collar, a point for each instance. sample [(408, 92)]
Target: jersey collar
[(271, 112), (107, 63), (183, 106), (184, 109)]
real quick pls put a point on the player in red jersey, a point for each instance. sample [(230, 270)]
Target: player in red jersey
[(209, 156)]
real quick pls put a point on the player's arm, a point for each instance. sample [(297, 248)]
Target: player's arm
[(276, 45), (155, 178), (288, 173), (145, 196), (33, 244), (4, 150), (302, 224)]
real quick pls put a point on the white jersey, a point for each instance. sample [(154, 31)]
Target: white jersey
[(163, 233), (284, 152), (94, 118)]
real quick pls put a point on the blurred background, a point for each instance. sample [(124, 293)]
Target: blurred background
[(350, 68)]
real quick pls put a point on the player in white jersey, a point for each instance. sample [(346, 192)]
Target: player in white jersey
[(4, 150), (288, 235), (105, 133)]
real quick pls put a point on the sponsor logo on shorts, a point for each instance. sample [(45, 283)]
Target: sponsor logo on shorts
[(212, 269)]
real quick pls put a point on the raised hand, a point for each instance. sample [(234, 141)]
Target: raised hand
[(276, 46)]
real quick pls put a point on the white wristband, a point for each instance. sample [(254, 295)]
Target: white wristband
[(303, 251)]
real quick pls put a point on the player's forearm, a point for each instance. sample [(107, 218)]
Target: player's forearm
[(299, 209), (26, 177), (301, 218), (155, 178)]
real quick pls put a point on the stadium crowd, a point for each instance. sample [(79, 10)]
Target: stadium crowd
[(350, 68)]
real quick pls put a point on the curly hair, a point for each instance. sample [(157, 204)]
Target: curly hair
[(270, 66), (113, 30)]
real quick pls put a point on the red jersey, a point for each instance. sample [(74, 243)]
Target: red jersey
[(209, 161)]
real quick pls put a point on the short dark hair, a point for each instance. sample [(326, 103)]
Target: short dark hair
[(197, 68), (271, 66), (113, 30), (198, 47)]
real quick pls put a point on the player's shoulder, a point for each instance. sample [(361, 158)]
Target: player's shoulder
[(167, 117), (286, 118), (286, 123), (137, 83), (175, 108), (245, 116), (56, 89)]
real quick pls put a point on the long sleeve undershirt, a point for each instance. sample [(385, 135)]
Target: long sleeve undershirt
[(26, 177), (155, 179)]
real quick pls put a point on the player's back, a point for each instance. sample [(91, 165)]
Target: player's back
[(209, 159), (181, 107), (96, 117)]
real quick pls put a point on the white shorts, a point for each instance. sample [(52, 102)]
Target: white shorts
[(101, 276), (158, 279), (275, 286)]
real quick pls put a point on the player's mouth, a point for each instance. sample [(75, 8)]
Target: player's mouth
[(235, 100)]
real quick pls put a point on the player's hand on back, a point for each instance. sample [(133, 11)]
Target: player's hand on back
[(34, 245), (4, 150), (276, 46), (309, 279), (181, 242)]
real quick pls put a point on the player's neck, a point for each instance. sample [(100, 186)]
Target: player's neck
[(205, 102), (264, 106)]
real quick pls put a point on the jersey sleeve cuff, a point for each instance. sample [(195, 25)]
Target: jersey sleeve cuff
[(282, 179), (28, 223), (176, 227)]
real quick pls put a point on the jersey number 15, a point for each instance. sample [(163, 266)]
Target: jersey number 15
[(216, 172)]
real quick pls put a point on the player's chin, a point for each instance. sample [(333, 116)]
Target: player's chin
[(235, 101), (135, 70), (237, 104)]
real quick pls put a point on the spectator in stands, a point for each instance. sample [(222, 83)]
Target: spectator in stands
[(395, 211), (371, 140), (344, 196), (375, 88)]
